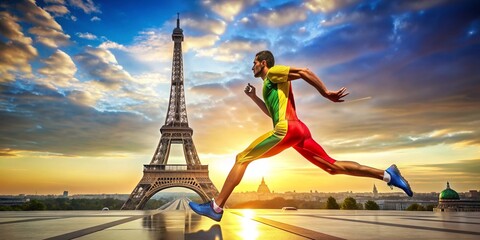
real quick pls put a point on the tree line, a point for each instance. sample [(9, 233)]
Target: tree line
[(348, 203), (77, 204)]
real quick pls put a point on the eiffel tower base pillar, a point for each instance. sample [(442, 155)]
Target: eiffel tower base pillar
[(160, 177)]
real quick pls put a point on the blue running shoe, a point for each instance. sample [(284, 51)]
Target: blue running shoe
[(397, 180), (206, 209)]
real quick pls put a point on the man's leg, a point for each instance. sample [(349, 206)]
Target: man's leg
[(356, 169), (265, 146), (233, 179), (314, 153)]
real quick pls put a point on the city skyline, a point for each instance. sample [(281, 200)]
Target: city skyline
[(178, 190), (84, 88)]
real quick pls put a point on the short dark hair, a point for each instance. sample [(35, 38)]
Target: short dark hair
[(267, 56)]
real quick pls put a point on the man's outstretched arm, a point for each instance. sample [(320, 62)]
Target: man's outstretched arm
[(314, 80), (250, 91)]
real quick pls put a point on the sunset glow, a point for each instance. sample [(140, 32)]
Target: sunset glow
[(84, 88)]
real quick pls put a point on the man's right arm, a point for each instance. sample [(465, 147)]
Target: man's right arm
[(314, 80)]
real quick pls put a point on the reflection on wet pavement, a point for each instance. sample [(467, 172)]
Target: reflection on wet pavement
[(177, 221)]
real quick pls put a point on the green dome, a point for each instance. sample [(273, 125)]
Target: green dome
[(448, 194)]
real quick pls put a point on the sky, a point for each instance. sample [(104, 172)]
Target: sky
[(84, 87)]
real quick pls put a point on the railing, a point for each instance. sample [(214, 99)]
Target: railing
[(174, 167)]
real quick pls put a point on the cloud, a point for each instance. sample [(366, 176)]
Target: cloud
[(213, 90), (150, 78), (88, 6), (102, 65), (339, 37), (152, 46), (86, 35), (342, 18), (11, 29), (327, 6), (204, 25), (47, 30), (245, 20), (17, 52), (198, 43), (8, 153), (55, 1), (112, 45), (472, 166), (155, 45), (95, 19), (208, 76), (45, 121), (50, 37), (228, 9), (59, 69), (462, 174), (281, 16), (232, 50), (86, 98), (421, 5), (32, 13), (57, 10)]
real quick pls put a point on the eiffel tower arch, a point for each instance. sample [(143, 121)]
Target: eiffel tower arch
[(159, 175)]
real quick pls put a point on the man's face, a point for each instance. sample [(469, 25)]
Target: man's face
[(257, 68)]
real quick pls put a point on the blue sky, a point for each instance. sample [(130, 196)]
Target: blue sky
[(84, 85)]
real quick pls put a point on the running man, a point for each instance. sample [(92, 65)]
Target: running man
[(289, 131)]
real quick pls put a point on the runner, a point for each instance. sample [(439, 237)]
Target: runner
[(289, 131)]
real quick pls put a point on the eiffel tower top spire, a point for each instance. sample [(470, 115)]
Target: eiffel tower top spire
[(177, 110), (178, 20), (177, 34)]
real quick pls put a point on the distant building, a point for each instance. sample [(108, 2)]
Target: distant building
[(263, 188), (449, 201), (101, 196), (402, 204), (65, 194), (13, 200), (474, 194), (375, 191)]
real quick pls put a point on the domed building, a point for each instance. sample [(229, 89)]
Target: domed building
[(448, 194), (263, 188), (375, 191), (449, 201)]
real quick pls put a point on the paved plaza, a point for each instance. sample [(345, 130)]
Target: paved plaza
[(177, 221)]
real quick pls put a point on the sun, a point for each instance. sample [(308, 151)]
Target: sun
[(258, 169)]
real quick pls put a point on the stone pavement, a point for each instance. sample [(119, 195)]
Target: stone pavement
[(177, 221)]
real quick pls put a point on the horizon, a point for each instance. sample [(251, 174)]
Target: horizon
[(84, 88), (178, 190)]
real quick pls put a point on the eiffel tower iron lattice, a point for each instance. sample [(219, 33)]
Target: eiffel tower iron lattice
[(158, 175)]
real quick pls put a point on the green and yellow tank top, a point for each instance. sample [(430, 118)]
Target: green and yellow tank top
[(278, 95)]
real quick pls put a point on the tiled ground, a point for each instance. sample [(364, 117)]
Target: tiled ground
[(177, 222)]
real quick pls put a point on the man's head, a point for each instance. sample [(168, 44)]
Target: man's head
[(263, 59)]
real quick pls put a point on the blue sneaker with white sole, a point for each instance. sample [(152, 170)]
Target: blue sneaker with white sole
[(397, 180), (206, 209)]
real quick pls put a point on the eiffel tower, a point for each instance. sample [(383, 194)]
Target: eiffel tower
[(158, 175)]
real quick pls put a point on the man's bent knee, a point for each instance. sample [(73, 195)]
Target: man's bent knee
[(240, 159), (332, 171), (336, 168)]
